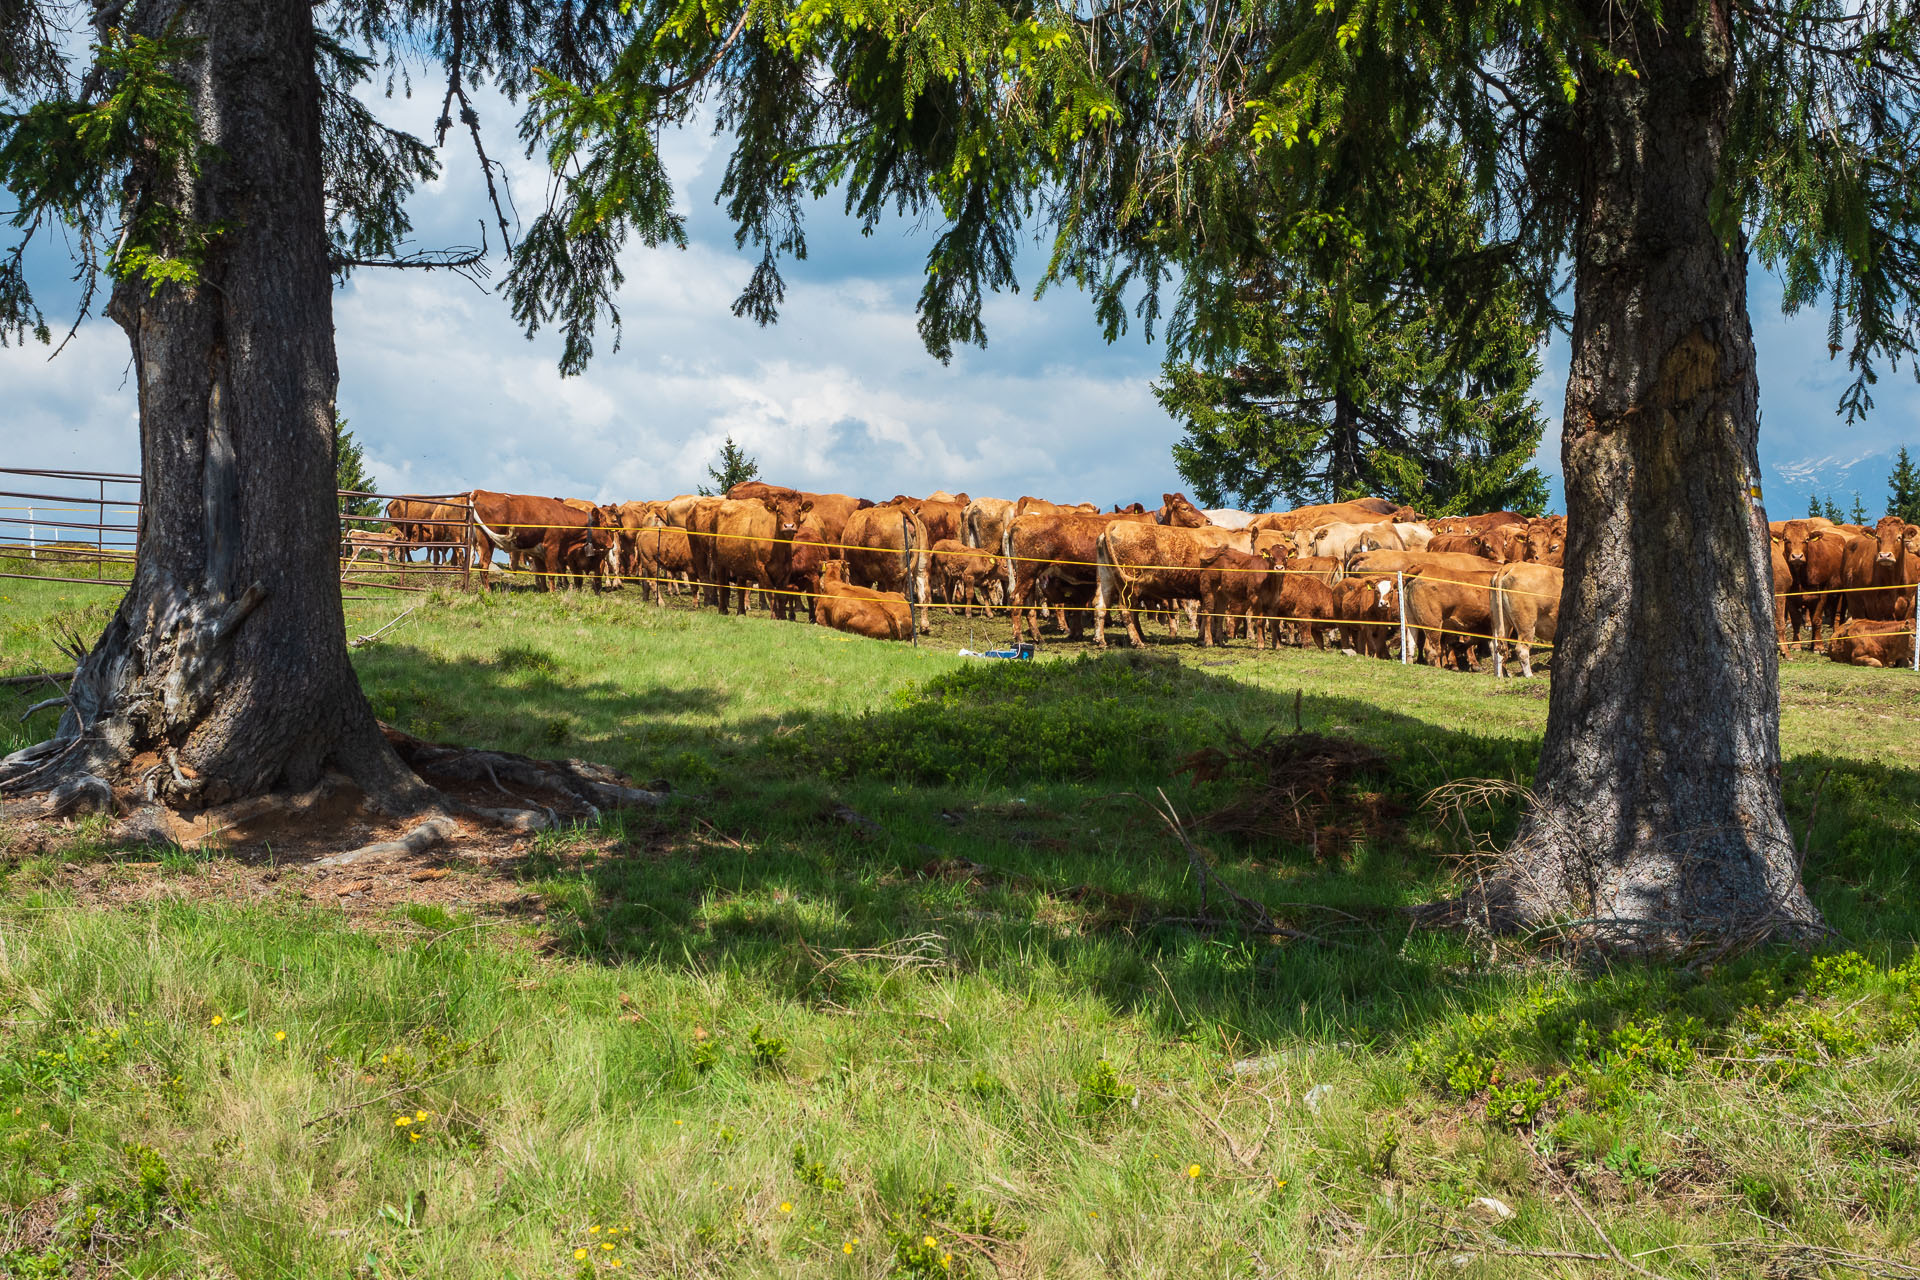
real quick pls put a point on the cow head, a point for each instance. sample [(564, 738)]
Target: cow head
[(1892, 536), (832, 573), (1177, 511), (1544, 542), (1795, 537)]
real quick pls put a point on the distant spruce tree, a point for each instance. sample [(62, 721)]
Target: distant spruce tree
[(350, 472), (1903, 489), (1859, 513), (731, 468), (1341, 374), (1831, 510), (1813, 507)]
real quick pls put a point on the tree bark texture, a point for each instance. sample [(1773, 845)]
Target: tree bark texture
[(228, 650), (1658, 816)]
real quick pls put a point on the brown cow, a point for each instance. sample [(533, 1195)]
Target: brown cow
[(945, 521), (830, 510), (1526, 608), (1367, 607), (1479, 523), (436, 527), (1298, 599), (1489, 546), (520, 522), (1816, 558), (1866, 643), (1141, 563), (887, 548), (753, 547), (1053, 554), (878, 615), (1361, 511), (1449, 614), (960, 574), (983, 521), (1882, 569)]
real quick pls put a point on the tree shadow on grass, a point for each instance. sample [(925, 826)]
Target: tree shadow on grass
[(523, 700), (1001, 808)]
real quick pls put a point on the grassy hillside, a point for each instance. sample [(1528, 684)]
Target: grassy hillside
[(973, 1028)]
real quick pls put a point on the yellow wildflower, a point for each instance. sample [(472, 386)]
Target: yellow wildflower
[(946, 1260), (930, 1242), (279, 1035), (614, 1263), (847, 1247), (399, 1121), (418, 1116), (786, 1207), (1193, 1171), (607, 1245), (579, 1253), (217, 1020), (412, 1136)]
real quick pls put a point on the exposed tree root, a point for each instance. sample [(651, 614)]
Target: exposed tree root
[(432, 832), (156, 796), (573, 782)]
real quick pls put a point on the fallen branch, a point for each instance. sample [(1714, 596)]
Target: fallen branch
[(35, 679), (357, 641)]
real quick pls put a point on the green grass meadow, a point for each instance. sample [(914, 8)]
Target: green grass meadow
[(968, 1035)]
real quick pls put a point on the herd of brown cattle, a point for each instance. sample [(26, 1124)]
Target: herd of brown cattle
[(1383, 577)]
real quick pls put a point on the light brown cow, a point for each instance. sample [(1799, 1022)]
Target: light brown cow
[(1526, 608), (1869, 643), (701, 527), (887, 548), (384, 546), (960, 574), (1546, 541), (878, 615), (678, 510), (1405, 561), (657, 553)]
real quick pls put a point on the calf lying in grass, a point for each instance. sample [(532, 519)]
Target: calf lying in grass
[(863, 611)]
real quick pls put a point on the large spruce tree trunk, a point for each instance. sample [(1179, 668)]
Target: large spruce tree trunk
[(228, 653), (1658, 817)]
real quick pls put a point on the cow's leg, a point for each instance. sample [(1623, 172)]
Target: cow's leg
[(1132, 619)]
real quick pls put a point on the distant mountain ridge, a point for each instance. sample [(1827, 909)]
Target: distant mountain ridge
[(1834, 475)]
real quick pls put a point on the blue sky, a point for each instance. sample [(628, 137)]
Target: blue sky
[(447, 394)]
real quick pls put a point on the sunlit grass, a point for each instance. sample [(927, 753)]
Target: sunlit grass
[(747, 1037)]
